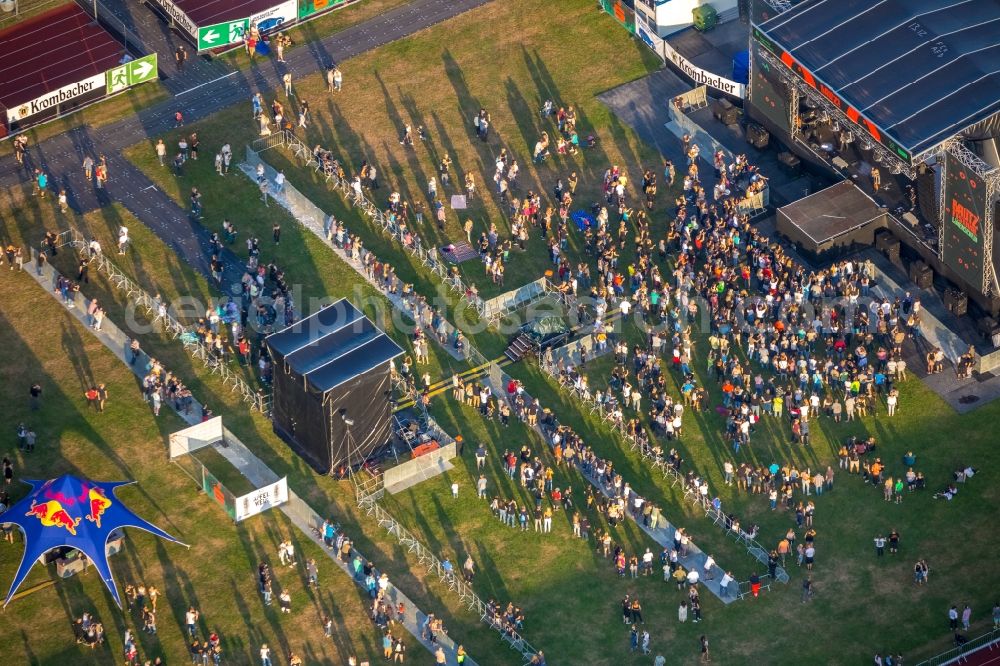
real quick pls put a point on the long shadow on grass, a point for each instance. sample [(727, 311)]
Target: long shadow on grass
[(255, 554)]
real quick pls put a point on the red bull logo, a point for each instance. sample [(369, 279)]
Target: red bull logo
[(99, 503), (52, 514)]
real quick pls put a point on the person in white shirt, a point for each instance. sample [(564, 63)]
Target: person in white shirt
[(709, 563), (727, 578)]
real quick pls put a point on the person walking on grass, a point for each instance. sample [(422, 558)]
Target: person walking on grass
[(263, 192), (807, 589), (703, 641)]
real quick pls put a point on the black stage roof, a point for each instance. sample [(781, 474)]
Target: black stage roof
[(922, 70), (828, 214), (333, 346)]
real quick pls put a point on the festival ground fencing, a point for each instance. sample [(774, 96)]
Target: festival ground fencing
[(990, 640), (321, 224), (658, 462), (255, 398), (708, 145), (498, 307), (408, 240), (367, 498)]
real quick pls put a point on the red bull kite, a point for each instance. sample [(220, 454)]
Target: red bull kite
[(69, 511)]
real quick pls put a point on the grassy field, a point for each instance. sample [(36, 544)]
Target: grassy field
[(423, 81), (862, 605), (157, 270), (217, 575)]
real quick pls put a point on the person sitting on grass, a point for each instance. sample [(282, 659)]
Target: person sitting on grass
[(948, 493)]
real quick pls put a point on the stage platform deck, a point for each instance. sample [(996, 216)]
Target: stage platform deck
[(713, 50), (835, 216)]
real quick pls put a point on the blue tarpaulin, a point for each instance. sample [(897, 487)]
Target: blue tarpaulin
[(741, 67), (583, 219)]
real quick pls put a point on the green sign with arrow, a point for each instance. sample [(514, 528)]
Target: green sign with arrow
[(222, 34), (132, 73)]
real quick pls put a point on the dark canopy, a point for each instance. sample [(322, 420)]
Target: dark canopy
[(333, 346), (332, 384), (922, 70)]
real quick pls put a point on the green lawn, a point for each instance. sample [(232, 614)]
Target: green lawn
[(156, 269), (321, 27), (315, 273), (438, 78), (847, 573), (439, 84), (217, 574)]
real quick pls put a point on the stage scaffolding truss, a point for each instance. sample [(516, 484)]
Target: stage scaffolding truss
[(990, 176), (797, 87)]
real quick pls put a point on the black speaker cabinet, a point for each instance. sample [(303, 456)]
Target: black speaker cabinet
[(883, 240), (790, 163), (757, 136), (725, 112), (921, 274), (987, 326), (956, 301)]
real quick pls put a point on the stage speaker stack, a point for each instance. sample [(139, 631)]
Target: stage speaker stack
[(921, 274), (790, 163), (757, 136), (927, 197), (956, 301), (889, 245), (725, 112), (988, 327)]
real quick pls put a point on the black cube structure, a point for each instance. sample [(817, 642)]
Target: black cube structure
[(331, 386)]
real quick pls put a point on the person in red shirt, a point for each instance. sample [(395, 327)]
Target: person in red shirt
[(91, 396)]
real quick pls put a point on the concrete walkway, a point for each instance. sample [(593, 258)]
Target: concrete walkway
[(663, 534), (301, 515)]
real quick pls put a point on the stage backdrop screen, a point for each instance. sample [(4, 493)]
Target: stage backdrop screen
[(964, 216), (766, 90)]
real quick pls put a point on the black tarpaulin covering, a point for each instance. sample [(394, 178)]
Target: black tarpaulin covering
[(329, 368), (922, 70)]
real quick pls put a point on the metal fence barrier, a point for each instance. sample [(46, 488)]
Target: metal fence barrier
[(367, 497), (256, 399), (410, 241), (958, 654), (718, 518)]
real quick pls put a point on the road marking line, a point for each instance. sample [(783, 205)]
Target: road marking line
[(207, 83)]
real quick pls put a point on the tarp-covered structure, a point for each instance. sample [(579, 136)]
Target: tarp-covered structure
[(922, 71), (332, 385), (72, 512)]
